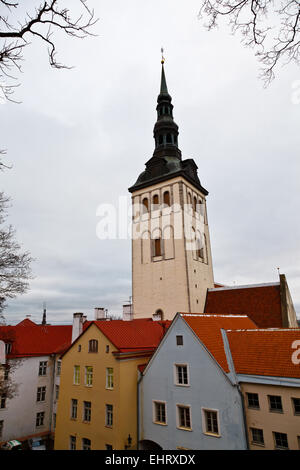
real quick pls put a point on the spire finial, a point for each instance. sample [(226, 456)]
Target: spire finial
[(162, 56)]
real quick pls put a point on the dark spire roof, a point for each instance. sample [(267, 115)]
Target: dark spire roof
[(166, 161), (163, 82)]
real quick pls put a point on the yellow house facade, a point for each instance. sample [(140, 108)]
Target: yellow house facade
[(97, 407)]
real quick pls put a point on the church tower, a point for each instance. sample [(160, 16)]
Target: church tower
[(171, 255)]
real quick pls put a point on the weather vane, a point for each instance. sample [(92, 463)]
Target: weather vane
[(162, 56)]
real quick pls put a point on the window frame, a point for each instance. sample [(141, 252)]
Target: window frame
[(109, 415), (93, 346), (39, 419), (204, 412), (85, 442), (88, 376), (178, 417), (296, 413), (156, 403), (278, 446), (41, 394), (87, 411), (43, 365), (179, 340), (253, 407), (176, 374), (72, 443), (275, 410), (74, 407), (109, 385), (257, 443), (76, 375)]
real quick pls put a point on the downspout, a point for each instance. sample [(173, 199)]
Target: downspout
[(52, 397), (235, 382), (138, 411)]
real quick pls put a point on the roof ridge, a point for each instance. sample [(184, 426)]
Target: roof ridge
[(246, 286)]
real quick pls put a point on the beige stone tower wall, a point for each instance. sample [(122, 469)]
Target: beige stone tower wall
[(177, 279)]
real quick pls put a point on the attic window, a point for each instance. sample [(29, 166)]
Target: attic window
[(179, 340), (79, 347), (93, 346)]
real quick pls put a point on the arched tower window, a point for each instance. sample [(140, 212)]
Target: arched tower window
[(158, 315), (155, 200), (167, 198), (195, 204), (169, 139), (145, 205)]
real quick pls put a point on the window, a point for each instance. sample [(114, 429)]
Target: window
[(159, 413), (107, 349), (8, 348), (158, 315), (56, 392), (275, 403), (87, 411), (54, 420), (76, 375), (181, 374), (281, 441), (155, 201), (179, 340), (3, 401), (89, 376), (169, 139), (109, 415), (109, 378), (86, 444), (160, 140), (108, 447), (211, 425), (93, 346), (43, 368), (195, 204), (296, 405), (167, 198), (41, 394), (184, 417), (257, 436), (157, 247), (58, 367), (1, 427), (145, 205), (40, 418), (79, 347), (72, 442), (253, 401), (74, 405)]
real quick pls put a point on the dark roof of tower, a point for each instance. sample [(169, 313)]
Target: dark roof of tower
[(166, 162)]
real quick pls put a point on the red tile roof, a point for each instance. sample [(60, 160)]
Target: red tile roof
[(30, 339), (208, 329), (261, 303), (139, 334), (266, 352)]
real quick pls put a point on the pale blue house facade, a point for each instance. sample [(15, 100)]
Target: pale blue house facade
[(186, 400)]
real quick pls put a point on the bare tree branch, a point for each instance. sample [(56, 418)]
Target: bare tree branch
[(271, 27), (47, 19)]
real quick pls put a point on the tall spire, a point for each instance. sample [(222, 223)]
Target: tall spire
[(165, 129)]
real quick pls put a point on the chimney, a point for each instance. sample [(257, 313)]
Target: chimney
[(127, 312), (77, 325), (100, 313)]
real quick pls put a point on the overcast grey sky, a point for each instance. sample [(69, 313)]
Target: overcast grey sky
[(81, 137)]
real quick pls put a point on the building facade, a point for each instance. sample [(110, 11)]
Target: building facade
[(97, 407), (188, 397)]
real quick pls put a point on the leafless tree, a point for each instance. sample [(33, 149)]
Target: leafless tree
[(271, 27), (14, 264), (41, 24)]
